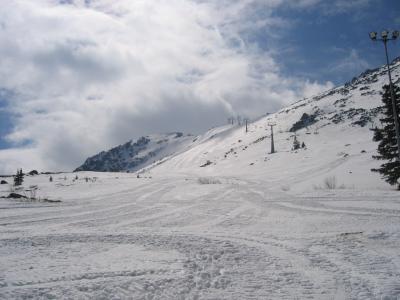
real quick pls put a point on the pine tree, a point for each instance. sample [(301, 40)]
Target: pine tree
[(19, 178), (386, 136), (378, 136), (16, 179)]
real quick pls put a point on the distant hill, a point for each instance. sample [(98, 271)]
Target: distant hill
[(135, 155)]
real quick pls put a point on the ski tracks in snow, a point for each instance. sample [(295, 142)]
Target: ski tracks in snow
[(178, 239)]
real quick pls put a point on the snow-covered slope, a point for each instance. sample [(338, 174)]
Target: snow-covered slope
[(335, 127), (134, 155)]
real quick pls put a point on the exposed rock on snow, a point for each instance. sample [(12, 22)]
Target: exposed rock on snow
[(305, 121), (132, 156)]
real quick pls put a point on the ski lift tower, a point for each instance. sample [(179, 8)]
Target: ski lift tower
[(272, 124), (246, 120), (385, 38)]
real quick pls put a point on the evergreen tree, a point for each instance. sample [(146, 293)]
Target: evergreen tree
[(16, 179), (19, 178), (386, 136), (378, 136)]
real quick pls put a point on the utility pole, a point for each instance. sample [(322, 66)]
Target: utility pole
[(246, 121), (271, 124), (385, 38)]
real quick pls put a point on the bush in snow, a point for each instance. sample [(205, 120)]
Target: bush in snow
[(330, 183), (32, 192)]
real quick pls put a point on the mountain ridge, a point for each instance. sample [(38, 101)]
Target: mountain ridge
[(133, 155)]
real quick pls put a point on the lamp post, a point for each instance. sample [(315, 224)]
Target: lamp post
[(385, 38)]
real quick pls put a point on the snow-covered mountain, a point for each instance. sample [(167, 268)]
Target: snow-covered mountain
[(135, 155), (334, 126)]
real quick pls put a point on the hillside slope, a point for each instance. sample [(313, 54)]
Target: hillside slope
[(335, 127)]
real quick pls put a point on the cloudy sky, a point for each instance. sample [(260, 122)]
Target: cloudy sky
[(80, 76)]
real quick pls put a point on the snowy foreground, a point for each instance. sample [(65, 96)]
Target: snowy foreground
[(187, 237)]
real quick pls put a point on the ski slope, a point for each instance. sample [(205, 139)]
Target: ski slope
[(338, 144), (177, 237)]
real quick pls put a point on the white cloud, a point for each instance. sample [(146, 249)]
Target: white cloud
[(350, 63), (12, 159), (314, 88), (90, 74)]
